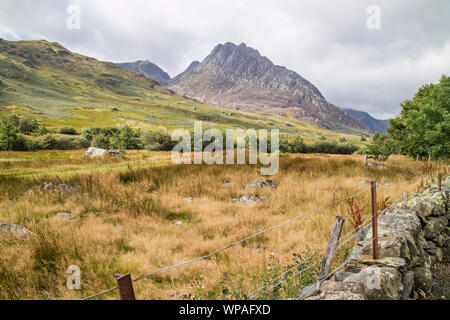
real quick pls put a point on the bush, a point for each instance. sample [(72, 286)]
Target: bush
[(156, 141), (67, 130), (100, 141), (55, 142)]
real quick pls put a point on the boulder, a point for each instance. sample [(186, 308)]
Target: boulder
[(379, 283), (309, 291), (96, 152), (353, 287), (13, 229), (260, 184)]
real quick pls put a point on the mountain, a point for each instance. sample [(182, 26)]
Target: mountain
[(375, 125), (148, 69), (238, 77), (62, 88)]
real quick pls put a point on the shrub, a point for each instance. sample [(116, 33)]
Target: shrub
[(67, 130), (155, 141)]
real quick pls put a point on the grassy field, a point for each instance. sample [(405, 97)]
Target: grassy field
[(125, 209)]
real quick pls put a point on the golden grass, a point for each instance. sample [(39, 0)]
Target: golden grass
[(145, 201)]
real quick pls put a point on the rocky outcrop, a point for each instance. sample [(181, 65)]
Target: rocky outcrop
[(412, 236), (238, 77), (250, 198), (97, 152)]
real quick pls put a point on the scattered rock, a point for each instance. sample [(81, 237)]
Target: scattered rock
[(227, 185), (95, 152), (309, 291), (54, 186), (118, 226), (260, 184), (189, 199), (13, 229), (423, 278), (63, 215), (250, 198), (177, 223)]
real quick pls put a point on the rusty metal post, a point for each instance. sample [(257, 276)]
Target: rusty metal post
[(125, 285), (374, 220), (440, 181)]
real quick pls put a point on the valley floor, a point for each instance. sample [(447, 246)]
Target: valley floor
[(142, 213)]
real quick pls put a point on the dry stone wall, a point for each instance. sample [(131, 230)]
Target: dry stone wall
[(413, 235)]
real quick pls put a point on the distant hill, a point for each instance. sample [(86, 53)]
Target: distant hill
[(238, 77), (375, 125), (147, 69)]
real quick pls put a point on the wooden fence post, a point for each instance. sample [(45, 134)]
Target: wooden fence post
[(125, 286), (405, 196), (374, 220), (331, 248)]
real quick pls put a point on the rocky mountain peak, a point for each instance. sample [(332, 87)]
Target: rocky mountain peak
[(239, 77)]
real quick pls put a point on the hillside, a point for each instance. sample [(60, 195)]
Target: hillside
[(238, 77), (62, 88), (375, 125)]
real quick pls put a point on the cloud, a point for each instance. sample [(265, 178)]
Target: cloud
[(327, 42)]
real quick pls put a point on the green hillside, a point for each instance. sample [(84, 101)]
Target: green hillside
[(61, 88)]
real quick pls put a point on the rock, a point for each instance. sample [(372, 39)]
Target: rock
[(340, 275), (380, 283), (95, 152), (54, 186), (309, 291), (177, 223), (408, 284), (337, 295), (388, 247), (353, 287), (250, 198), (423, 278), (260, 184), (189, 199), (118, 226), (13, 229), (63, 215), (440, 240), (434, 227), (227, 185), (375, 165), (1, 41), (362, 261)]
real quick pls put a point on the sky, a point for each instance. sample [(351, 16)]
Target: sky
[(359, 56)]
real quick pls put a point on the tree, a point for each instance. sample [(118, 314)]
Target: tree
[(128, 139), (9, 135), (381, 147), (27, 124), (423, 127)]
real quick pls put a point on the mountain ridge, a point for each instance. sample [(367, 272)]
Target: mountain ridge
[(239, 77), (375, 125), (148, 69)]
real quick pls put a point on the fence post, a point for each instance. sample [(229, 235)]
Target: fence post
[(331, 248), (440, 181), (125, 286), (374, 220), (405, 196)]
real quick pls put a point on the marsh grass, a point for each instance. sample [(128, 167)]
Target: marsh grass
[(144, 200)]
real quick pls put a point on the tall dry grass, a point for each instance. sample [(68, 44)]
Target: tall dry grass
[(145, 202)]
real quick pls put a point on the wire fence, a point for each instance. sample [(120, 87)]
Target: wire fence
[(273, 284)]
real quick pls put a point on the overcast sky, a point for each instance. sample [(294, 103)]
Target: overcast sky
[(326, 41)]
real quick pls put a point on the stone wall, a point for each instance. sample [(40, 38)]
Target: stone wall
[(413, 235)]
